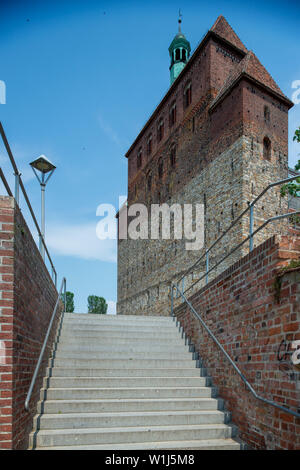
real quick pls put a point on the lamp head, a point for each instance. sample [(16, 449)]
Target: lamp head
[(43, 164)]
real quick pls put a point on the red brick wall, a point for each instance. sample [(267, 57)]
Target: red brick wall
[(256, 322), (28, 296)]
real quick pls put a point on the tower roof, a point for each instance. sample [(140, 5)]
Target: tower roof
[(250, 67), (222, 28)]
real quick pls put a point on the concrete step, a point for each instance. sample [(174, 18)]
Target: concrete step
[(123, 363), (117, 347), (80, 340), (119, 435), (203, 444), (127, 405), (134, 335), (129, 354), (145, 372), (135, 330), (118, 318), (123, 382), (127, 419), (122, 393)]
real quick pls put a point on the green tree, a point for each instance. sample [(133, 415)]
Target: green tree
[(293, 188), (97, 304), (69, 302)]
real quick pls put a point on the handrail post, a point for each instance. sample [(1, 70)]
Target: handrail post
[(65, 295), (251, 228), (207, 265), (172, 300)]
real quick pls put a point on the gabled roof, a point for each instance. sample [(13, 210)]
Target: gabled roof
[(223, 29), (250, 67)]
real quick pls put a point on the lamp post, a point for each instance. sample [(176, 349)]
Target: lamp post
[(44, 166)]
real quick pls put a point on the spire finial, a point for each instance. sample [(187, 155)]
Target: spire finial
[(179, 20)]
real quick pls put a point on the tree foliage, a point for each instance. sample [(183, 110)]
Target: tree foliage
[(97, 304), (69, 302)]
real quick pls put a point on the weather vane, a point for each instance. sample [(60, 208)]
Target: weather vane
[(179, 19)]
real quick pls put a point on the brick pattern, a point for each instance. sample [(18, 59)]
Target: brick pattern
[(28, 297), (253, 308)]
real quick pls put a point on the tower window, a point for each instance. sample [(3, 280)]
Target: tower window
[(267, 148), (172, 114), (149, 144), (267, 113), (160, 130), (187, 95), (177, 54), (184, 54), (160, 168), (149, 181), (139, 158), (173, 155)]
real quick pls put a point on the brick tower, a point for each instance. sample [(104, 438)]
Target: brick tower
[(218, 137)]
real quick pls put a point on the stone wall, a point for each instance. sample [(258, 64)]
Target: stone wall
[(28, 297)]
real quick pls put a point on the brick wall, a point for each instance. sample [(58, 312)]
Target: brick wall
[(28, 297), (253, 308)]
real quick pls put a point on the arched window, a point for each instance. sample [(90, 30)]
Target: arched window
[(173, 155), (267, 147), (187, 95), (160, 130), (184, 54), (267, 113), (172, 116), (177, 54), (149, 144), (139, 158), (160, 168)]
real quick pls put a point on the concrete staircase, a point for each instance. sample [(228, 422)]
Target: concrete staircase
[(127, 382)]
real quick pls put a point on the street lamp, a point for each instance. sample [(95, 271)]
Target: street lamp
[(44, 166)]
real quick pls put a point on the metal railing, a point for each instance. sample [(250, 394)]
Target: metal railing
[(37, 368), (19, 184), (250, 237), (265, 400)]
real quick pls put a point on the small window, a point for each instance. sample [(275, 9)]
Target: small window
[(267, 113), (184, 54), (187, 95), (173, 155), (172, 114), (267, 148), (149, 144), (139, 158), (160, 130), (149, 181), (160, 169), (177, 54)]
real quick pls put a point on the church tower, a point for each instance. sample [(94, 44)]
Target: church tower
[(179, 51)]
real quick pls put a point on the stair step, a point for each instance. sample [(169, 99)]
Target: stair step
[(128, 382), (119, 435), (124, 363), (138, 392), (203, 444), (130, 404), (145, 372), (121, 419), (125, 354)]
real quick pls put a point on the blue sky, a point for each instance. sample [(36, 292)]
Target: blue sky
[(82, 78)]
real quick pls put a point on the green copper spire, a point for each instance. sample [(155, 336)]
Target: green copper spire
[(179, 51)]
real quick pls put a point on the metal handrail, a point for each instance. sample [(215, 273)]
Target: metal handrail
[(251, 234), (19, 183), (63, 286), (265, 400)]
